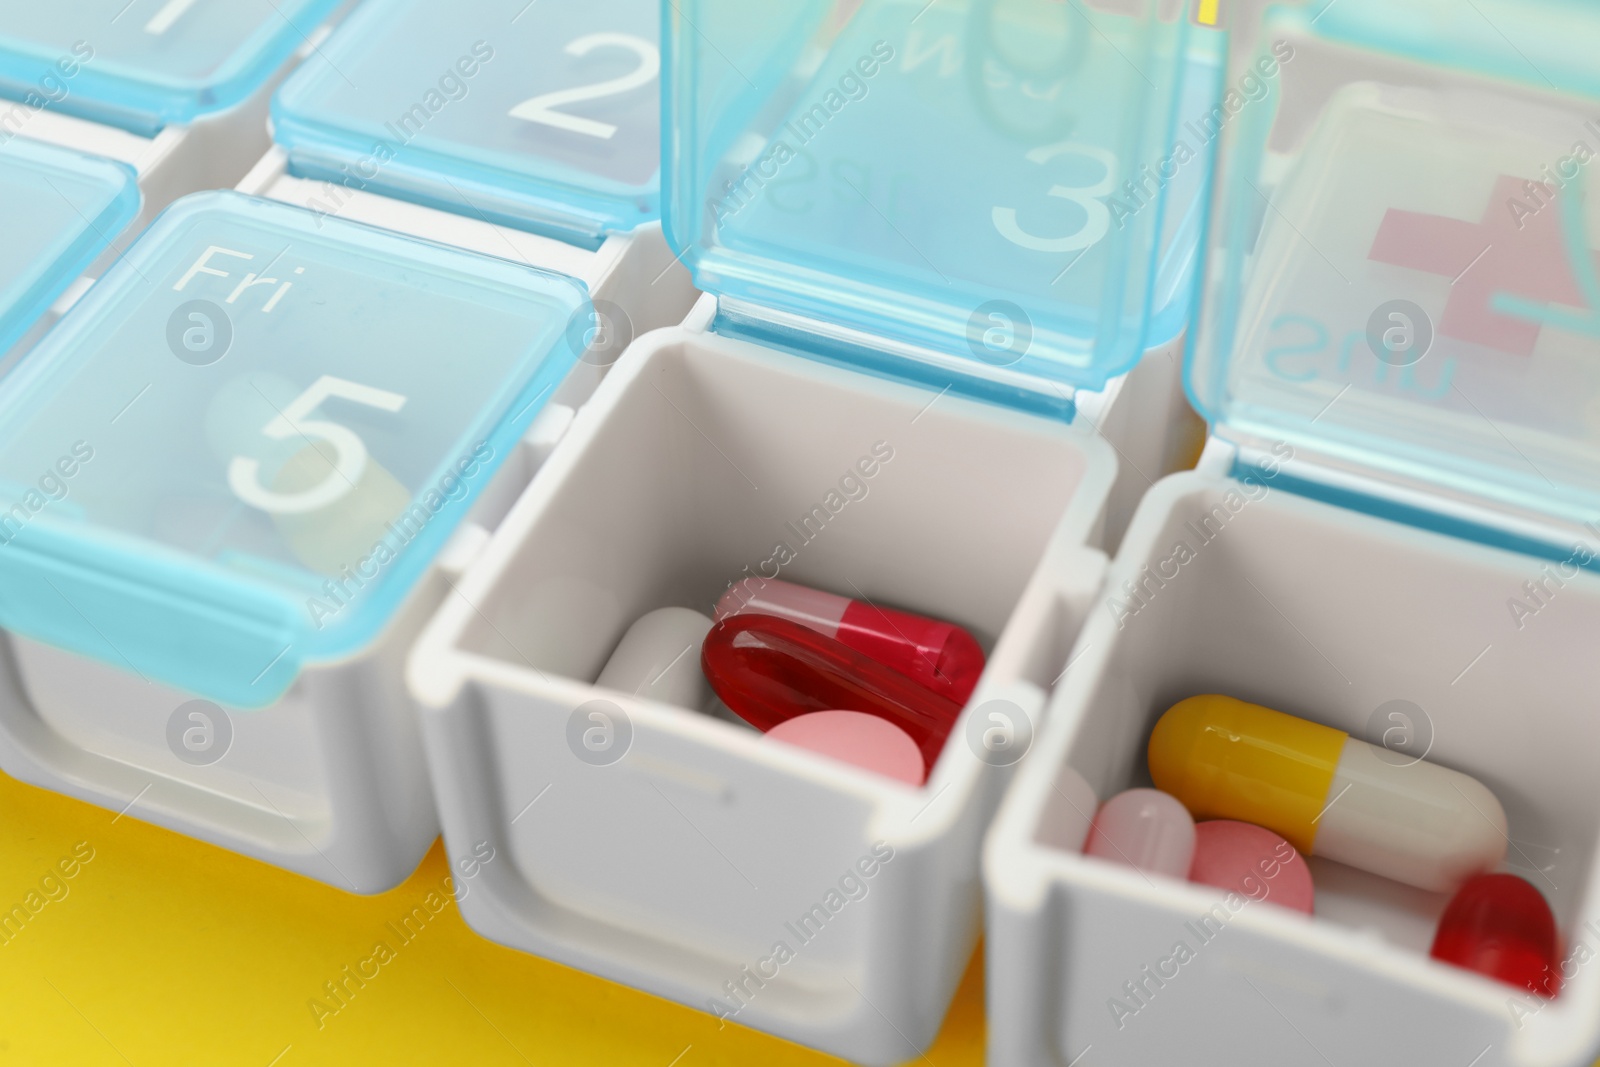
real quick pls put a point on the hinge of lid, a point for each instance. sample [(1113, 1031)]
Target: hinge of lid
[(860, 351), (1294, 471)]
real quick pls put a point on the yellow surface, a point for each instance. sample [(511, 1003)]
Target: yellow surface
[(1226, 759), (164, 951), (1207, 14)]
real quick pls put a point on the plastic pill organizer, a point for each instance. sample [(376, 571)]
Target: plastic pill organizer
[(235, 476), (177, 89), (527, 132), (1391, 533), (59, 210), (895, 210)]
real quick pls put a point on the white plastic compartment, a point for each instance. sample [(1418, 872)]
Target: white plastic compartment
[(1328, 614), (329, 781), (323, 774), (1403, 452), (676, 867)]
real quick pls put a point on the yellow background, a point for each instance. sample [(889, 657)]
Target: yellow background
[(165, 951)]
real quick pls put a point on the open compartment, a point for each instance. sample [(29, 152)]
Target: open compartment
[(698, 460), (1387, 536), (879, 398), (1345, 620)]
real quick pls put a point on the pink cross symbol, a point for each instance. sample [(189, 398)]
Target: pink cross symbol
[(1484, 258)]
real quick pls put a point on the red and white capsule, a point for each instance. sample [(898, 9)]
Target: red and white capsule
[(939, 655)]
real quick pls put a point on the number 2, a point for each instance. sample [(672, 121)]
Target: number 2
[(542, 109), (1097, 217), (244, 475)]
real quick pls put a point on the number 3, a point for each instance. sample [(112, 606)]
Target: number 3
[(542, 109), (1097, 217), (244, 475)]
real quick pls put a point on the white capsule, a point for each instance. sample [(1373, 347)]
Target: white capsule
[(659, 658), (1418, 823)]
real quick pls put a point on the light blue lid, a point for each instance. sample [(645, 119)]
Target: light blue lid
[(239, 452), (1402, 277), (145, 64), (988, 194), (540, 116), (58, 211)]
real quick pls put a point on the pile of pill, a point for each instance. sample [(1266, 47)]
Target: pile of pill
[(871, 686), (1244, 792)]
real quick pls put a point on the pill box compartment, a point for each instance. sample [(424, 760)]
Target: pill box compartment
[(1364, 140), (883, 355), (540, 119), (61, 210), (173, 651), (676, 867), (164, 65), (1344, 619)]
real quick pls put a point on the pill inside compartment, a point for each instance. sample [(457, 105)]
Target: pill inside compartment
[(706, 461), (730, 463), (1402, 638)]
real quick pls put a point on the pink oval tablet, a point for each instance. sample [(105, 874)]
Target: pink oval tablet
[(1145, 829), (866, 741), (1254, 862)]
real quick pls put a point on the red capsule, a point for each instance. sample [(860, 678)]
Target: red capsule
[(1499, 925), (767, 670), (940, 655)]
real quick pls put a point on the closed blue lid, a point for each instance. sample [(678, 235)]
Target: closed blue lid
[(1402, 277), (996, 195), (58, 211), (145, 64), (240, 451), (539, 116)]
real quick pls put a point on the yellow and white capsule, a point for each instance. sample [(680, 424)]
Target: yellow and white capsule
[(1327, 793)]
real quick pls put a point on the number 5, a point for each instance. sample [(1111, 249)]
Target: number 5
[(1097, 217), (244, 475), (542, 109)]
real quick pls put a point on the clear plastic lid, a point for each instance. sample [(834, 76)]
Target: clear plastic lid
[(997, 194), (145, 64), (58, 211), (240, 451), (540, 116), (1401, 276)]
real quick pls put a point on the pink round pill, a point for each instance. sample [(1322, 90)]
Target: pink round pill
[(1254, 862), (854, 737), (1146, 829)]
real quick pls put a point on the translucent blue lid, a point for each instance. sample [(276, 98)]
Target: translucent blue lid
[(998, 195), (1402, 270), (239, 452), (145, 64), (58, 211), (541, 116)]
